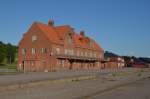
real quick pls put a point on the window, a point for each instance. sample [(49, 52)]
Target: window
[(57, 51), (78, 53), (85, 54), (34, 38), (95, 55), (33, 50), (66, 51), (71, 52), (70, 40), (24, 51), (90, 54), (44, 50), (91, 44), (81, 53)]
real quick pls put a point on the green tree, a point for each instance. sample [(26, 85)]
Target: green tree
[(10, 53), (2, 52)]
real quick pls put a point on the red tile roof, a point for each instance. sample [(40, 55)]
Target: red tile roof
[(57, 34)]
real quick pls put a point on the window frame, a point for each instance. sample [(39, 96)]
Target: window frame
[(33, 51), (34, 38)]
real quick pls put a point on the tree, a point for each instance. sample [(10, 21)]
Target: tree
[(10, 53), (2, 52)]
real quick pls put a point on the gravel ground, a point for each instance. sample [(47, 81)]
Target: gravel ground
[(138, 90), (38, 76), (84, 89)]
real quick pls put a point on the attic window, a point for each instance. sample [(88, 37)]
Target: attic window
[(34, 38), (70, 40), (90, 44)]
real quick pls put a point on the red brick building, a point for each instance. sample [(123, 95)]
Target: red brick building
[(45, 47), (114, 62)]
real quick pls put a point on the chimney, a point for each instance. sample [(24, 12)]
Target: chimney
[(82, 33), (50, 22)]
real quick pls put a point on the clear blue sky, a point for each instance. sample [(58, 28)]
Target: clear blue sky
[(120, 26)]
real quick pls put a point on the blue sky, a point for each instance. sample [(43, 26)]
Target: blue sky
[(120, 26)]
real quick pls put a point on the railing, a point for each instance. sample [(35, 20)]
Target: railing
[(76, 57)]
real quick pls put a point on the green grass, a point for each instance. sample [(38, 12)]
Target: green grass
[(114, 74), (8, 73), (8, 67), (140, 72)]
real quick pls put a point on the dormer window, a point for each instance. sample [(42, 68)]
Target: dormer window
[(70, 41), (34, 38), (91, 44)]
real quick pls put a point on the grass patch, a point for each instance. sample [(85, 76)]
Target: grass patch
[(8, 67), (75, 80), (114, 74), (140, 72), (8, 73)]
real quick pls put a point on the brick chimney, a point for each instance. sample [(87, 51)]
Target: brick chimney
[(82, 33), (50, 22)]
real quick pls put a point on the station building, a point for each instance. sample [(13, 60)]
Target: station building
[(46, 47)]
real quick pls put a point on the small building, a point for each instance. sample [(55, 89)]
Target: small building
[(113, 61), (46, 47), (139, 63)]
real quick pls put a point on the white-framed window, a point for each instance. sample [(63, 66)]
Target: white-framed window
[(78, 53), (44, 50), (34, 38), (66, 52), (81, 53), (57, 51), (95, 55), (91, 44), (86, 54), (33, 50), (24, 51), (90, 54), (70, 40), (72, 52)]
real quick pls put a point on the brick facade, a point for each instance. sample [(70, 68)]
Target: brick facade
[(51, 48), (114, 62)]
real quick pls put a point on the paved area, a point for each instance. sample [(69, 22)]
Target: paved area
[(138, 90), (87, 89)]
